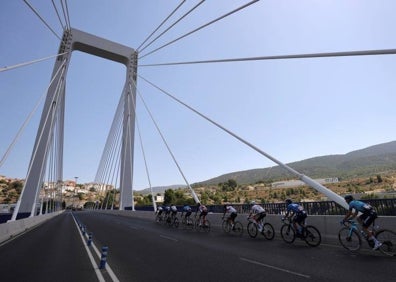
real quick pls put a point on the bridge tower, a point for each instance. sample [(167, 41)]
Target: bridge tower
[(53, 113)]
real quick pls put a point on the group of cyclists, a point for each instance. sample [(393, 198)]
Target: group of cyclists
[(294, 212), (170, 212)]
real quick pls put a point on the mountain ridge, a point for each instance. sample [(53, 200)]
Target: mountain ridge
[(363, 162)]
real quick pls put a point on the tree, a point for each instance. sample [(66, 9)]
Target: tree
[(169, 197)]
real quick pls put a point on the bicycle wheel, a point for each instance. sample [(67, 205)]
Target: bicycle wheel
[(190, 223), (268, 231), (197, 224), (238, 228), (226, 226), (252, 229), (288, 234), (388, 240), (168, 221), (176, 222), (350, 241), (312, 236), (206, 226)]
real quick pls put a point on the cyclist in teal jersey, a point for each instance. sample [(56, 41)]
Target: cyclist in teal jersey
[(366, 218)]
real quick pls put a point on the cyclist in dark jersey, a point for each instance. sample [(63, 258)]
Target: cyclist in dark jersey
[(297, 214), (203, 211), (366, 218)]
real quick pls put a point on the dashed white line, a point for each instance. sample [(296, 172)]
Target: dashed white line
[(275, 267), (169, 238)]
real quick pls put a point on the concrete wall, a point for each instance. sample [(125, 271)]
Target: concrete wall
[(14, 228)]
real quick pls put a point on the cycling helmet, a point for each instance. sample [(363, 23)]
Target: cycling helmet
[(348, 198), (288, 201), (252, 202)]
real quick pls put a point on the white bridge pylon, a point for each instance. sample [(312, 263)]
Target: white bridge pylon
[(53, 113)]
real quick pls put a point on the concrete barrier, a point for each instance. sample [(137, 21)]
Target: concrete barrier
[(13, 228)]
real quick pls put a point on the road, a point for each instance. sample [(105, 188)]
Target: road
[(142, 250)]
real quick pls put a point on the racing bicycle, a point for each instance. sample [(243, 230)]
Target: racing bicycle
[(310, 234), (200, 225), (187, 222), (350, 237), (172, 221), (228, 228), (267, 229)]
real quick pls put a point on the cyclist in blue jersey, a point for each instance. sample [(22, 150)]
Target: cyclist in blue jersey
[(297, 214), (187, 210), (366, 218)]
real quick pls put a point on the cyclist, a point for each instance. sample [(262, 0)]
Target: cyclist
[(187, 210), (203, 211), (158, 212), (297, 214), (366, 218), (258, 213), (233, 214), (173, 210), (167, 213)]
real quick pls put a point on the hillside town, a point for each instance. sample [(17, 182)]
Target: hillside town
[(93, 195)]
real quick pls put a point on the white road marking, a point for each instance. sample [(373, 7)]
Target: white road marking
[(169, 238), (97, 270), (275, 267)]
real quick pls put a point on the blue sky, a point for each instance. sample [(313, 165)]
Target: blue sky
[(291, 109)]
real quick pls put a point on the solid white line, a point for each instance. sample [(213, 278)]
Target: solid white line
[(169, 238), (108, 268), (97, 271), (276, 268)]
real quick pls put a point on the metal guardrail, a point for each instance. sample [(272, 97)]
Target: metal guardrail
[(384, 207)]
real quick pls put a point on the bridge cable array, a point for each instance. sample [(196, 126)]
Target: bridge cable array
[(51, 117), (282, 57), (199, 28), (110, 160), (142, 149), (168, 147), (162, 23), (332, 195), (171, 26), (38, 15)]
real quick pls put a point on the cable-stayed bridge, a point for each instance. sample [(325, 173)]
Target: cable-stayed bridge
[(116, 166), (117, 163)]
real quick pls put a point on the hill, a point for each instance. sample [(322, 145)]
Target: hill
[(160, 189), (365, 162)]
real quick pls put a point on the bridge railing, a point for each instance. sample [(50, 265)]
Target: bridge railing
[(384, 207)]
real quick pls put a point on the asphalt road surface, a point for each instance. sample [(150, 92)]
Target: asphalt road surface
[(143, 250)]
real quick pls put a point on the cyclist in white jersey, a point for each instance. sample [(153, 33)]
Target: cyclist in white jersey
[(233, 214), (257, 213)]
